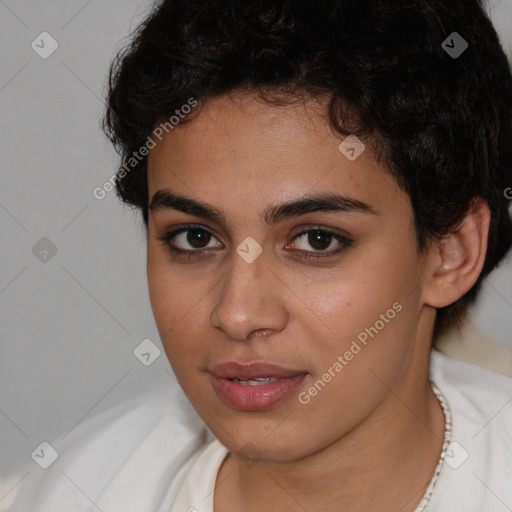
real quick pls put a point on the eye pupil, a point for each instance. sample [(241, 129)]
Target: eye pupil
[(315, 239), (197, 236)]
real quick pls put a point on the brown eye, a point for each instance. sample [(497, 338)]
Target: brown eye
[(191, 240), (197, 238), (321, 240)]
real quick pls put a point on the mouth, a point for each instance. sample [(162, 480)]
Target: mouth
[(254, 386), (258, 381)]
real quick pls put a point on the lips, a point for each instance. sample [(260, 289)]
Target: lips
[(254, 386), (233, 370)]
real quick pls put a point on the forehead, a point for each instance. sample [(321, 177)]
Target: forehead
[(245, 126), (245, 148)]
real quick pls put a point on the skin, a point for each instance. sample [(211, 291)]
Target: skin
[(371, 439)]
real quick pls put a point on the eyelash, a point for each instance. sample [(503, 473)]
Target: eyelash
[(166, 238)]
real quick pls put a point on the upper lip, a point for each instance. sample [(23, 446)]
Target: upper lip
[(245, 371)]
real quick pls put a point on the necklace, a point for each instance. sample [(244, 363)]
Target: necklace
[(447, 439)]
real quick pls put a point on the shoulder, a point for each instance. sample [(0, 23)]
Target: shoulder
[(192, 490), (123, 459), (478, 463), (474, 392)]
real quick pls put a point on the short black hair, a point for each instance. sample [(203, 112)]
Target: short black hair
[(393, 72)]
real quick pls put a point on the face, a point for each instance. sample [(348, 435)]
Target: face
[(314, 308)]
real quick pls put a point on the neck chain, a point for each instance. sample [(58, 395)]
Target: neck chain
[(447, 439)]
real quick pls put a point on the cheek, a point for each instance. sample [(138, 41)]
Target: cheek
[(161, 290), (367, 315), (179, 303), (166, 300), (356, 354), (345, 301), (171, 288)]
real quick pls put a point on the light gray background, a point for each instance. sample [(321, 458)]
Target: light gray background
[(69, 326)]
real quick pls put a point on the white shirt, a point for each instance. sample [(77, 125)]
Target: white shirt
[(145, 456)]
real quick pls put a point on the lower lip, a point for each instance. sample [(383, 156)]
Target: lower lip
[(255, 398)]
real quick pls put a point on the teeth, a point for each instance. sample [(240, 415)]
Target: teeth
[(255, 382)]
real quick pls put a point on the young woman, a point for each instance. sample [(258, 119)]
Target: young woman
[(323, 186)]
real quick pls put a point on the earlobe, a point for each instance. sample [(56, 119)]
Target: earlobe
[(459, 258)]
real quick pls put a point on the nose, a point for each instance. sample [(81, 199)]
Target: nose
[(250, 301)]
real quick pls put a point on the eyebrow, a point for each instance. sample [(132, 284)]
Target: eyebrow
[(167, 200)]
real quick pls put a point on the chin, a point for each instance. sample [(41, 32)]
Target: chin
[(251, 443)]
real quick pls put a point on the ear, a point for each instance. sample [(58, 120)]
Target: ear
[(458, 259)]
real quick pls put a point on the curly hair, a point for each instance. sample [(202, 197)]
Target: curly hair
[(442, 124)]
